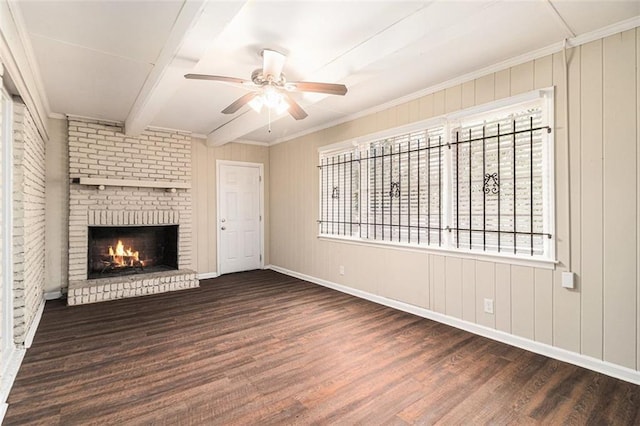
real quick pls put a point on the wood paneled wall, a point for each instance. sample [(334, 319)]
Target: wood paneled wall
[(203, 163), (600, 318)]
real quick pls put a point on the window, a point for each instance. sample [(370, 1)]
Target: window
[(478, 181), (340, 194), (402, 184)]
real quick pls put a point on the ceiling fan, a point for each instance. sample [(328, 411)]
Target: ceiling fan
[(272, 87)]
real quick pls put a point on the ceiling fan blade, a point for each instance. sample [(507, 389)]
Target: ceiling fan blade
[(328, 88), (272, 63), (215, 78), (295, 109), (239, 103)]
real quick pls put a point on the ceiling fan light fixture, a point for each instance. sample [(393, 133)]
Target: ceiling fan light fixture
[(274, 100), (282, 107), (271, 99), (256, 103)]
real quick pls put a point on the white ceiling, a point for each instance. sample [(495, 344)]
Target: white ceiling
[(125, 60)]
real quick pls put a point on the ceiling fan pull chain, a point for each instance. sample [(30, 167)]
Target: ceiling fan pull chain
[(269, 110)]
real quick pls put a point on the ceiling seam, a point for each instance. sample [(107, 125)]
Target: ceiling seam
[(92, 49), (382, 31), (228, 122), (560, 19)]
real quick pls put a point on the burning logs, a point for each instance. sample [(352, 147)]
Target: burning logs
[(121, 258)]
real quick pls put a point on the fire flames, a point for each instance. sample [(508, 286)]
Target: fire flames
[(122, 257)]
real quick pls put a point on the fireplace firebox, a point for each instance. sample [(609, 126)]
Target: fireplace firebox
[(125, 250)]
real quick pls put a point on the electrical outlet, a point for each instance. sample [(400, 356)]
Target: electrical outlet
[(488, 306), (341, 269)]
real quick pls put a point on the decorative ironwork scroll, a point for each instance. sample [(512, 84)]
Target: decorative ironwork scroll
[(335, 194), (491, 183), (395, 190)]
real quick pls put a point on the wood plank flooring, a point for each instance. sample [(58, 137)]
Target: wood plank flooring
[(264, 348)]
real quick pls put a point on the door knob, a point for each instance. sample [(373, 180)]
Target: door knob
[(223, 228), (223, 220)]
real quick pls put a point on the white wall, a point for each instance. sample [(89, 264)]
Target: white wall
[(57, 206), (204, 197), (601, 317), (203, 193)]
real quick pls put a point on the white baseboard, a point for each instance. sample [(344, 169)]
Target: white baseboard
[(207, 275), (31, 333), (9, 376), (52, 295), (604, 367), (10, 372)]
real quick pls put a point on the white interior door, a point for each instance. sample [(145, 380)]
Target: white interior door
[(239, 217)]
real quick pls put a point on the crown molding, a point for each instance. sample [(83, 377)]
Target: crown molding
[(118, 123), (250, 142), (19, 64), (168, 129), (57, 116), (101, 120)]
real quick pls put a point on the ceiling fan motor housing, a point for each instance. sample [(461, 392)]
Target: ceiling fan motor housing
[(259, 79)]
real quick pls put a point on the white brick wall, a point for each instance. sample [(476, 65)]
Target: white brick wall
[(101, 150), (28, 219)]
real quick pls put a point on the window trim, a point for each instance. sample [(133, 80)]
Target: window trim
[(546, 96)]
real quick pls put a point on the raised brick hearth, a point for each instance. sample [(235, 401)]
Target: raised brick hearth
[(100, 150), (103, 289)]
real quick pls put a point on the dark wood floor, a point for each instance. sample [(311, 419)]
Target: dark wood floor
[(264, 348)]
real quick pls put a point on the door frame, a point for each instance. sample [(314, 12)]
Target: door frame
[(7, 320), (260, 168)]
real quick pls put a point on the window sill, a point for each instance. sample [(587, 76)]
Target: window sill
[(534, 262)]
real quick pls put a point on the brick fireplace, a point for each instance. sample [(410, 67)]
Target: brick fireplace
[(135, 187)]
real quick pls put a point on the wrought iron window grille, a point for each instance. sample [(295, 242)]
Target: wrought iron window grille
[(470, 220), (491, 172)]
